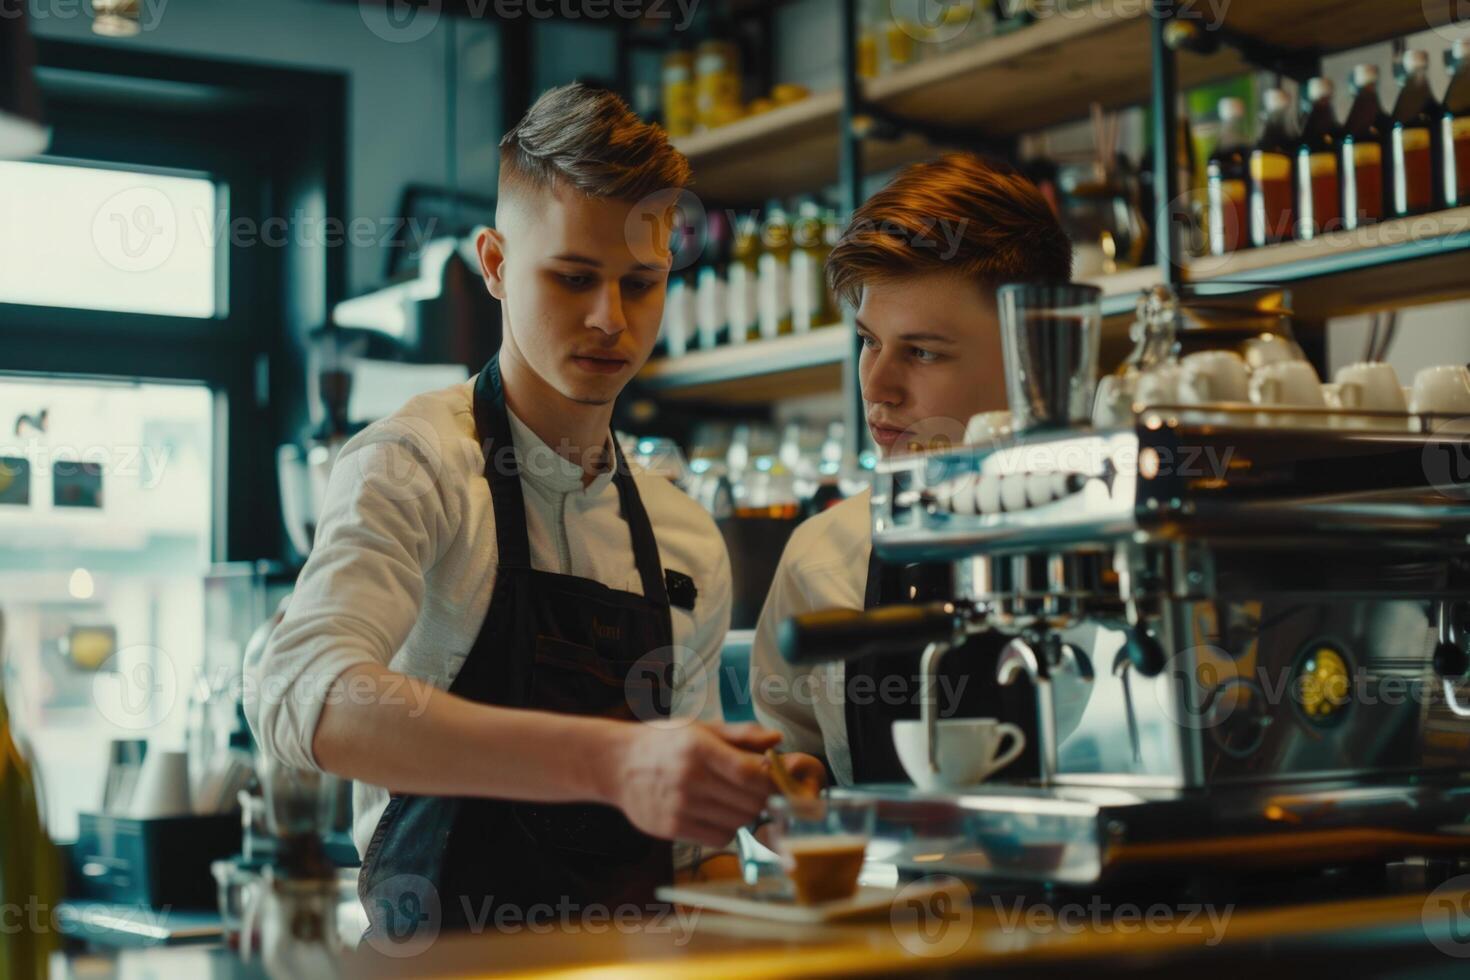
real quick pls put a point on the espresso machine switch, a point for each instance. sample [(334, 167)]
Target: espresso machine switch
[(1144, 653), (1451, 662), (846, 634)]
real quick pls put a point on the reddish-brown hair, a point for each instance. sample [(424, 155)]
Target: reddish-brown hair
[(587, 138), (959, 214)]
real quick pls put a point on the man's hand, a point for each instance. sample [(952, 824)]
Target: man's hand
[(807, 770), (693, 781)]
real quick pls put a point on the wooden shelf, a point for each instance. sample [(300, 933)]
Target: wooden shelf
[(1402, 262), (1044, 74), (782, 152), (759, 372)]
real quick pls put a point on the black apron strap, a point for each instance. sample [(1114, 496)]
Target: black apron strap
[(640, 529), (501, 469)]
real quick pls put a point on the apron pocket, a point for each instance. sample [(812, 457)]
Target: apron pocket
[(573, 679)]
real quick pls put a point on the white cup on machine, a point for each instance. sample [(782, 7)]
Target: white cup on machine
[(1371, 387), (970, 750), (1159, 386), (1270, 349), (1442, 390), (1287, 383), (1214, 377)]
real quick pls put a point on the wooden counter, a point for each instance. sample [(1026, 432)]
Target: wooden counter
[(1423, 935)]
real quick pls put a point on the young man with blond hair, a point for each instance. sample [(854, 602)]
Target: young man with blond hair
[(931, 359), (484, 634)]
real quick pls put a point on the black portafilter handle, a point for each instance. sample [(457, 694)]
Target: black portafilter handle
[(845, 634)]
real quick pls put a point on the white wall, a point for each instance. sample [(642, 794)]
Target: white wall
[(396, 109)]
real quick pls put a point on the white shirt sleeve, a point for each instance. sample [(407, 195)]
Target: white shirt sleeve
[(384, 522), (697, 691), (783, 694)]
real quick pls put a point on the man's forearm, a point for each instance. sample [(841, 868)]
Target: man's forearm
[(426, 741)]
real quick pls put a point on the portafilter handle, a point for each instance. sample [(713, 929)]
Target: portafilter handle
[(846, 634)]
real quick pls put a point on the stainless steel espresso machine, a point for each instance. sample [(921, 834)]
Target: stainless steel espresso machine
[(1267, 613)]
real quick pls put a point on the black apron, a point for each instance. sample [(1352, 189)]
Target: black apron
[(967, 688), (549, 642)]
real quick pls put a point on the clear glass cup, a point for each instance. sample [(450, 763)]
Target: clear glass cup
[(822, 843), (1050, 333)]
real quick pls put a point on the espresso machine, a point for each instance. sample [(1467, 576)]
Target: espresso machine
[(1267, 613)]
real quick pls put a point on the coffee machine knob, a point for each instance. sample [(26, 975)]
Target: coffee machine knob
[(1145, 653), (987, 494), (1450, 661), (1013, 492)]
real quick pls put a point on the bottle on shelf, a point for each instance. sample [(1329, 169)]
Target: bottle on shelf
[(1272, 190), (742, 278), (716, 84), (1319, 186), (774, 268), (1228, 179), (678, 329), (831, 235), (1455, 128), (1365, 172), (680, 111), (1416, 125), (711, 308), (30, 876), (809, 307)]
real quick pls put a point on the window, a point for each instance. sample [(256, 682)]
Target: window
[(130, 241), (107, 520)]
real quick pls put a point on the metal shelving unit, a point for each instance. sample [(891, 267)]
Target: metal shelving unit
[(1117, 52)]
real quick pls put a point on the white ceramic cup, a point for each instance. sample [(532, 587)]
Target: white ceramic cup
[(1269, 349), (969, 751), (1371, 386), (163, 786), (1213, 376), (1159, 386), (989, 428), (1444, 389), (1113, 403), (1287, 383)]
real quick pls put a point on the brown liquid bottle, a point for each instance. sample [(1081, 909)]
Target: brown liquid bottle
[(1272, 189), (1228, 181), (1455, 129), (1365, 176), (1318, 183), (1414, 138)]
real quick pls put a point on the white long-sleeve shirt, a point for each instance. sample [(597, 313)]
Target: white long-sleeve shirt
[(824, 566), (403, 566)]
